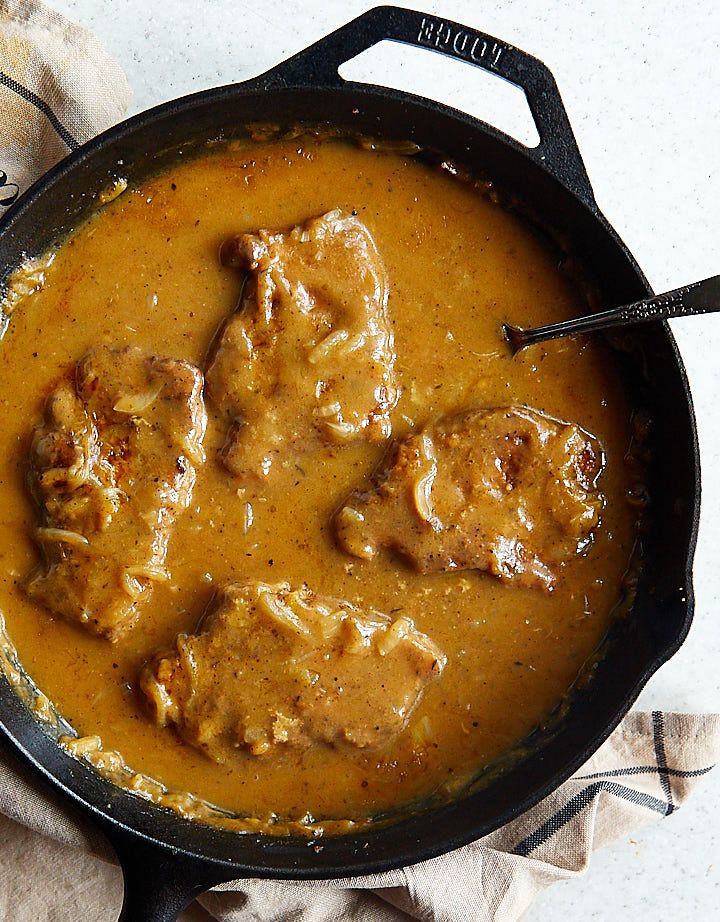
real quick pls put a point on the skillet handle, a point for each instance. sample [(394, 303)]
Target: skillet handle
[(159, 884), (317, 66)]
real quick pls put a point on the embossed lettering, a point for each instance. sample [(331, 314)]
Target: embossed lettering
[(476, 55), (436, 33), (444, 33), (425, 33), (459, 43)]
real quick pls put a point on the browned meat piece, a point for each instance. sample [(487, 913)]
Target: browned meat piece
[(509, 491), (309, 356), (272, 666), (112, 465)]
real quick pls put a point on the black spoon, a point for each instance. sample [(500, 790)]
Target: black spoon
[(698, 298)]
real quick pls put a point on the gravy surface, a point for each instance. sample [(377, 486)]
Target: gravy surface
[(145, 271)]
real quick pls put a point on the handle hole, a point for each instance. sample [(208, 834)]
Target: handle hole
[(448, 80)]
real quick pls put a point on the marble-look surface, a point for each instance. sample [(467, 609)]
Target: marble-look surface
[(641, 83)]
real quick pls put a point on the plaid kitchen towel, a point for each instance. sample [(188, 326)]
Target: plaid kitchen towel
[(644, 772), (59, 87)]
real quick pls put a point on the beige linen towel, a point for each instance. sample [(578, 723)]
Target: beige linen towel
[(644, 772), (59, 87)]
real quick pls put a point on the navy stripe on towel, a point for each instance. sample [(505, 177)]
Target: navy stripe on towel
[(40, 104), (578, 803), (658, 719), (647, 770)]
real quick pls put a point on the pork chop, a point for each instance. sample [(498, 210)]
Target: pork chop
[(112, 466), (309, 356), (509, 491), (272, 666)]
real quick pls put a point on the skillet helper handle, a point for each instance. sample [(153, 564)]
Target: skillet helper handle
[(158, 885), (317, 66)]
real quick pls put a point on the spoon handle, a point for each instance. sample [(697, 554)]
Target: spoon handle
[(697, 298)]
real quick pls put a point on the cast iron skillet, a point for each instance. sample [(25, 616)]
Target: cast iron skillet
[(167, 860)]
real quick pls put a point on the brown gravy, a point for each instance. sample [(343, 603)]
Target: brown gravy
[(145, 271)]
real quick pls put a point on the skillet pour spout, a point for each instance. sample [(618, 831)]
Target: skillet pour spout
[(168, 860)]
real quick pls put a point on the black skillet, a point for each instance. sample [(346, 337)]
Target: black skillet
[(167, 860)]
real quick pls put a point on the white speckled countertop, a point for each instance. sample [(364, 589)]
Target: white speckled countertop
[(641, 83)]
